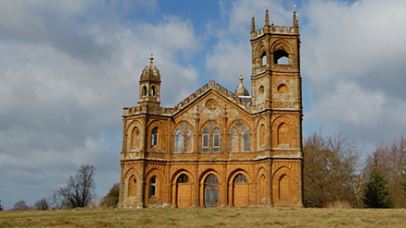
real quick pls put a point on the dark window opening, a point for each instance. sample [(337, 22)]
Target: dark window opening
[(154, 136), (152, 92), (183, 179), (144, 91), (152, 187), (281, 57)]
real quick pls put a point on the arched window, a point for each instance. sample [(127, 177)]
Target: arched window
[(263, 59), (262, 135), (152, 91), (152, 187), (283, 134), (240, 138), (144, 91), (182, 179), (211, 138), (154, 136), (240, 179), (281, 57), (183, 136)]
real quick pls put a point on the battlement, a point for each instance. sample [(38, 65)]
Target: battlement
[(274, 29)]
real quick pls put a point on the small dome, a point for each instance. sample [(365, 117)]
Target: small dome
[(241, 90), (150, 72)]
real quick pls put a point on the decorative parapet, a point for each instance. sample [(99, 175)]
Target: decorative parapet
[(140, 109), (275, 29)]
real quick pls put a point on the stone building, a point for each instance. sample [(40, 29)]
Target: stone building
[(218, 148)]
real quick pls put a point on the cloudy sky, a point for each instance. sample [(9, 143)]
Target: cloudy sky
[(68, 67)]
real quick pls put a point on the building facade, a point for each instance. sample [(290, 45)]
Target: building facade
[(218, 148)]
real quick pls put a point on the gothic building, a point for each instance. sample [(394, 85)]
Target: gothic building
[(218, 148)]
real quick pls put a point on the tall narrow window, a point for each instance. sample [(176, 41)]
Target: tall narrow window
[(246, 140), (154, 136), (262, 135), (216, 139), (152, 92), (152, 187), (263, 59), (234, 145), (144, 91), (178, 141), (205, 139), (135, 138)]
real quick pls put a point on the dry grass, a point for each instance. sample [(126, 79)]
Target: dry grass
[(231, 217)]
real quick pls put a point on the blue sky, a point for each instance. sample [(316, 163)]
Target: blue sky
[(68, 67)]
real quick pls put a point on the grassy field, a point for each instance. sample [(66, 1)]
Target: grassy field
[(246, 217)]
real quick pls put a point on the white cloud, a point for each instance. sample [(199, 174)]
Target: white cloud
[(354, 58), (64, 82), (231, 56)]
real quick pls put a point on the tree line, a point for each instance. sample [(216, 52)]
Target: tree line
[(333, 176)]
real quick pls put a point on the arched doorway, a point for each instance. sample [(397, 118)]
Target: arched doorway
[(240, 191), (210, 191), (183, 192)]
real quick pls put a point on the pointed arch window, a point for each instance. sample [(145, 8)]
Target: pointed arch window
[(281, 57), (154, 136), (211, 138), (240, 138), (144, 91), (183, 142)]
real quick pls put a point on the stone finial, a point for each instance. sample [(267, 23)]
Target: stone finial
[(241, 90), (295, 20), (253, 24), (151, 59), (266, 17)]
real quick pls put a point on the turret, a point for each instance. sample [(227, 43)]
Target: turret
[(150, 83)]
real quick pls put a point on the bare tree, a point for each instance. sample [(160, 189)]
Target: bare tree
[(21, 206), (78, 191), (41, 204), (330, 171)]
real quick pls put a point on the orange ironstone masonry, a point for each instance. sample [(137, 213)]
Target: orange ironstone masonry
[(218, 148)]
